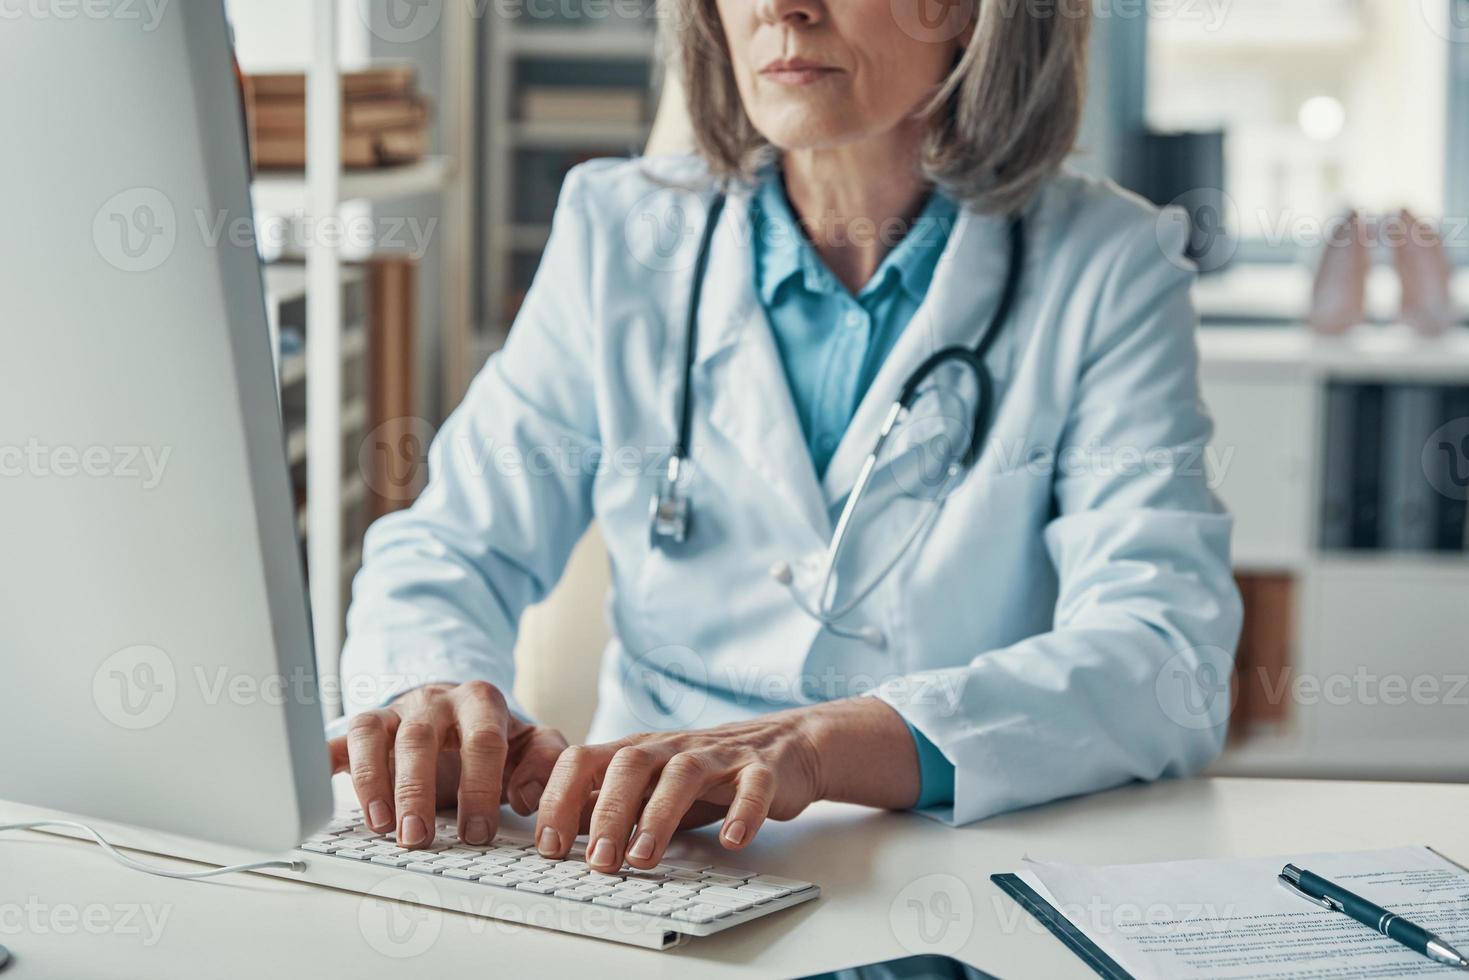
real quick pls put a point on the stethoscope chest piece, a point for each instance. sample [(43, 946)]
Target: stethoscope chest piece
[(668, 516)]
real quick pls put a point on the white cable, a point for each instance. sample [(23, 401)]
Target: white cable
[(123, 859)]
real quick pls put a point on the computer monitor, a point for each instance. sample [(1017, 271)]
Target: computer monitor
[(156, 664)]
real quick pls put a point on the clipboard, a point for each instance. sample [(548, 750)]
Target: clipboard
[(1046, 914)]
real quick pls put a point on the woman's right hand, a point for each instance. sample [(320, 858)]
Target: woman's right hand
[(442, 745)]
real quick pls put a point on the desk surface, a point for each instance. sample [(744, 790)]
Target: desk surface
[(68, 911)]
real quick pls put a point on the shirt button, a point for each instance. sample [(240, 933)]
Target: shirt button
[(854, 319)]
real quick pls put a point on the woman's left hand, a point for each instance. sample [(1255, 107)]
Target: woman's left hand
[(641, 789)]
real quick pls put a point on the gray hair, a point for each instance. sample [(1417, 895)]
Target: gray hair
[(1002, 122)]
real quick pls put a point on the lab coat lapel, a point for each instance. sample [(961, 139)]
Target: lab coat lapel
[(738, 376), (962, 297)]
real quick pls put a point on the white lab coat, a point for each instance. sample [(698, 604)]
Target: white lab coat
[(1067, 625)]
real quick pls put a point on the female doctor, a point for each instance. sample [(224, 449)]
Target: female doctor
[(892, 427)]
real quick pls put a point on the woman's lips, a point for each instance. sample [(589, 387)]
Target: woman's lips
[(796, 71)]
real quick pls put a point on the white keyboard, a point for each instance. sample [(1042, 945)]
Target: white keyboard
[(507, 879)]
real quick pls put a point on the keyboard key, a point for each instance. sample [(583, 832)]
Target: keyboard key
[(713, 879), (320, 848), (769, 891), (523, 875), (724, 901), (684, 865), (499, 881), (790, 883), (463, 874), (701, 913), (594, 891), (424, 867), (447, 863), (731, 873), (681, 875), (352, 854), (392, 860), (573, 894), (754, 895), (539, 887), (613, 902), (596, 877)]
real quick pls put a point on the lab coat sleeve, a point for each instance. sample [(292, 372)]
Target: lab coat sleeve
[(1132, 680), (443, 583)]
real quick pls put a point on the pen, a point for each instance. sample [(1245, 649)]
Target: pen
[(1317, 889)]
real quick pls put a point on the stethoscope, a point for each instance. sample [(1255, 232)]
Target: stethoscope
[(671, 515)]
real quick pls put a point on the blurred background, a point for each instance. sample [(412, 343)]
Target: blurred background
[(1344, 457)]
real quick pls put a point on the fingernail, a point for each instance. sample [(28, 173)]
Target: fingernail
[(734, 832), (414, 832), (379, 817), (477, 831), (549, 842), (642, 848), (602, 853), (532, 794)]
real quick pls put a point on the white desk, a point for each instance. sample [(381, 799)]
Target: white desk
[(257, 927)]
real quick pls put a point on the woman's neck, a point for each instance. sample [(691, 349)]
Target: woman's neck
[(855, 202)]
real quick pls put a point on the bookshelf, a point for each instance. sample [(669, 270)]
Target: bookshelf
[(330, 42), (1365, 624), (587, 53)]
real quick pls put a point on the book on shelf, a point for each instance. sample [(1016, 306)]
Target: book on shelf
[(1452, 470), (583, 104), (1385, 484), (385, 118), (378, 80)]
